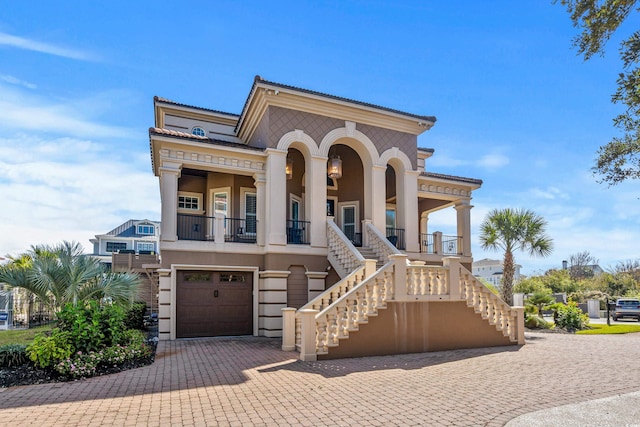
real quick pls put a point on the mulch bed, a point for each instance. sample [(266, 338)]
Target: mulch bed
[(29, 374)]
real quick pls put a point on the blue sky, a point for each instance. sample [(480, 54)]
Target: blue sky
[(516, 106)]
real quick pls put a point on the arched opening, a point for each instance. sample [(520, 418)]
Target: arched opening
[(345, 195), (394, 230), (296, 209)]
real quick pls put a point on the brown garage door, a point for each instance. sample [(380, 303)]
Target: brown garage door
[(213, 303)]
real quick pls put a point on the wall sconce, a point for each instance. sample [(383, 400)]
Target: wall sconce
[(289, 168), (334, 167)]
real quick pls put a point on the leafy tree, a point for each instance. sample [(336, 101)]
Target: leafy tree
[(62, 274), (531, 285), (540, 300), (597, 20), (510, 230), (581, 265)]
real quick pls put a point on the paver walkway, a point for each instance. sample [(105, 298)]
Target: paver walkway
[(250, 381)]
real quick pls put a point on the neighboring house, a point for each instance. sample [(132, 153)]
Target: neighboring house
[(133, 236), (317, 205), (491, 271)]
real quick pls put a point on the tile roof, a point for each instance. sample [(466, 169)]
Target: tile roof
[(168, 101), (426, 150), (185, 135), (452, 178), (259, 79)]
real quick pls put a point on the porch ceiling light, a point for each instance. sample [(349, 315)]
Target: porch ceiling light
[(334, 167), (289, 168)]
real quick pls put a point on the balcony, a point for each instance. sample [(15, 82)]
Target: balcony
[(298, 232), (440, 244), (396, 237), (201, 228)]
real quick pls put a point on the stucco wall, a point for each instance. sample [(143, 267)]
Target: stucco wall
[(278, 121), (417, 327)]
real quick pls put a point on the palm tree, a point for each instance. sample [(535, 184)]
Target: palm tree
[(510, 230), (62, 274)]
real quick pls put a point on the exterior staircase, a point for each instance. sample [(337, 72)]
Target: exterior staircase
[(368, 253), (369, 284)]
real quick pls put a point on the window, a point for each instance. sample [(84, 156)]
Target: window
[(145, 246), (116, 246), (250, 217), (295, 208), (391, 217), (190, 202), (220, 201), (146, 229), (198, 131)]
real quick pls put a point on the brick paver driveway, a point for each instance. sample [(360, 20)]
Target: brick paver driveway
[(250, 381)]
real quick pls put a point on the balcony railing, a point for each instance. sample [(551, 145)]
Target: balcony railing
[(451, 245), (195, 227), (396, 237), (198, 227), (437, 243), (427, 245), (240, 230), (298, 232)]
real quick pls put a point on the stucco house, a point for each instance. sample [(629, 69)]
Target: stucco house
[(140, 236), (306, 216), (491, 270)]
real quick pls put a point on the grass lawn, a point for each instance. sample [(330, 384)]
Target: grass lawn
[(613, 329), (21, 336)]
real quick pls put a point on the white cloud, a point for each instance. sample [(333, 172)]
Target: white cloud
[(50, 49), (77, 192), (27, 112), (16, 81), (549, 193), (493, 161)]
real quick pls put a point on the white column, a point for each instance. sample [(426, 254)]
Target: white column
[(276, 200), (166, 321), (463, 210), (377, 195), (409, 213), (169, 174), (315, 283), (261, 191), (316, 188)]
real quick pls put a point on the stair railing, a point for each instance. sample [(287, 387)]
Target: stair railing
[(509, 320), (353, 308), (342, 255), (378, 242)]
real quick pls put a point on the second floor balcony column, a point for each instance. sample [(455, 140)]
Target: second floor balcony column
[(260, 183), (169, 174), (463, 209), (276, 197), (409, 211), (375, 203), (316, 184)]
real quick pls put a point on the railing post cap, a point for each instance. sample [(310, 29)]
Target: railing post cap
[(288, 309)]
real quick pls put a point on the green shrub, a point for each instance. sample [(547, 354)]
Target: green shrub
[(92, 326), (13, 355), (45, 350), (81, 365), (134, 316), (569, 316), (536, 322)]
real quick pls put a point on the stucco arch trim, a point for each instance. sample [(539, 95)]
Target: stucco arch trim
[(299, 139), (365, 143), (393, 156)]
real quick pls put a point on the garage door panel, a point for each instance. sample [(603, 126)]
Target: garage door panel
[(222, 305)]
